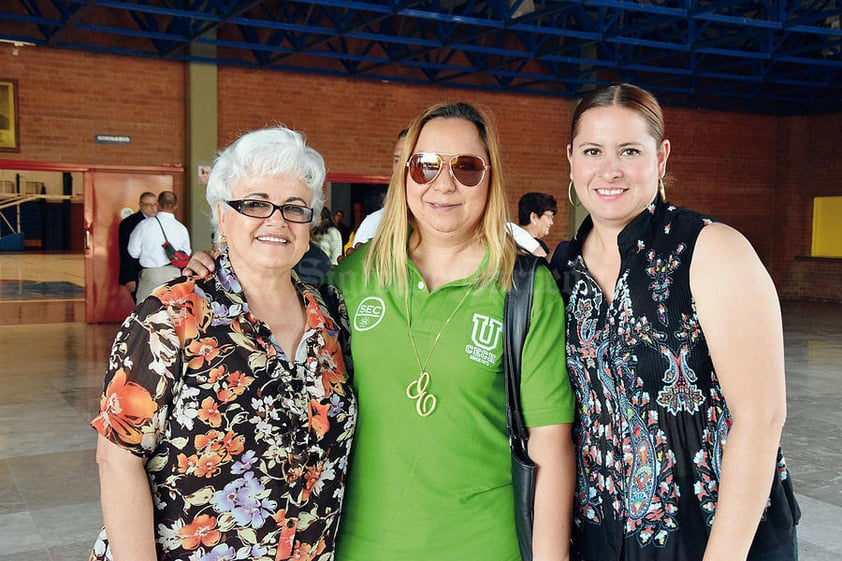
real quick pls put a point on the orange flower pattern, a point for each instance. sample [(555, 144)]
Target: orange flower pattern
[(201, 531), (247, 449), (125, 406)]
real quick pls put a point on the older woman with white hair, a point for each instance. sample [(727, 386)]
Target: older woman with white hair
[(227, 415)]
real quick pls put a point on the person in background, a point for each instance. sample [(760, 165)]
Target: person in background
[(313, 266), (344, 229), (535, 214), (675, 351), (327, 237), (146, 245), (559, 256), (368, 226), (430, 475), (227, 415), (129, 266)]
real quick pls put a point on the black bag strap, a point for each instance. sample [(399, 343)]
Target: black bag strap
[(516, 313), (162, 229)]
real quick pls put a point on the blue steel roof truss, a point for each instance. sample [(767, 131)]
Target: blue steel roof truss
[(758, 56)]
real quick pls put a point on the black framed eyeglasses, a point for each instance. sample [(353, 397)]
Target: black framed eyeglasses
[(257, 208), (425, 167)]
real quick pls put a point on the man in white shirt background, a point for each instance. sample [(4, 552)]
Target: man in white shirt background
[(147, 241), (368, 226), (129, 267)]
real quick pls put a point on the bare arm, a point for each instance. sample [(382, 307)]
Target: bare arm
[(126, 503), (551, 448), (740, 316)]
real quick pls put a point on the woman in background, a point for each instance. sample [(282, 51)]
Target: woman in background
[(328, 237), (535, 215)]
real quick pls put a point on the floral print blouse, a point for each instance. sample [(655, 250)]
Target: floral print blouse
[(246, 448), (652, 420)]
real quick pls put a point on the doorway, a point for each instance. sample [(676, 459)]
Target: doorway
[(355, 199), (42, 276), (58, 260)]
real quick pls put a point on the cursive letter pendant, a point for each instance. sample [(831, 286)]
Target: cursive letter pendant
[(425, 403)]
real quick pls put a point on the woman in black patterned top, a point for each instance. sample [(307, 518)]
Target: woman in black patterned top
[(227, 415), (675, 350)]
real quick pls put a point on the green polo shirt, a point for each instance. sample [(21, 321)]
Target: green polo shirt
[(439, 487)]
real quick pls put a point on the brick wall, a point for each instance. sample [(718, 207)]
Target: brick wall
[(719, 165), (756, 173), (354, 124), (67, 97), (752, 172), (810, 162)]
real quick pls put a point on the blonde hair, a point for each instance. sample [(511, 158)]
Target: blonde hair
[(387, 256)]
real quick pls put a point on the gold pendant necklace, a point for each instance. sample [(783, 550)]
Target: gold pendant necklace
[(425, 402)]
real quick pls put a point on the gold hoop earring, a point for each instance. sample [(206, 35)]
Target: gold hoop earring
[(570, 193), (223, 240), (662, 190)]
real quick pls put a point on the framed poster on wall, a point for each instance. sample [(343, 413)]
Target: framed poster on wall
[(9, 116)]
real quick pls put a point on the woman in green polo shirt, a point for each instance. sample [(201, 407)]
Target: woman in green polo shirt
[(430, 475)]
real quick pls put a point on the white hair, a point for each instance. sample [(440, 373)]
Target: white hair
[(266, 153)]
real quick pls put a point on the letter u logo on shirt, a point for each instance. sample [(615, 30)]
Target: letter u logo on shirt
[(486, 333)]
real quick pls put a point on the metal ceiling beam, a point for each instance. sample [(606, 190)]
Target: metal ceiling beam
[(77, 15), (689, 51)]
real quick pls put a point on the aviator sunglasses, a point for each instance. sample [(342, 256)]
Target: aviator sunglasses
[(425, 167), (257, 208)]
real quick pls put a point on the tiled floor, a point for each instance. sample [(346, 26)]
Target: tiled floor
[(41, 287), (40, 267), (35, 275), (37, 290), (51, 376)]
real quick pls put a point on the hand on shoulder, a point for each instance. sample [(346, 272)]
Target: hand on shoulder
[(348, 251), (201, 264)]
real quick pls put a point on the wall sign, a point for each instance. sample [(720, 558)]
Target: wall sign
[(112, 139)]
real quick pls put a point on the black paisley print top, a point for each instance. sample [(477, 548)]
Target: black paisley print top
[(246, 448), (651, 418)]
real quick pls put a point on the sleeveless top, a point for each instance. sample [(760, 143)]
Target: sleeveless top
[(652, 421)]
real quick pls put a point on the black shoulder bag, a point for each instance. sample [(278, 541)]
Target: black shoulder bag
[(516, 313)]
